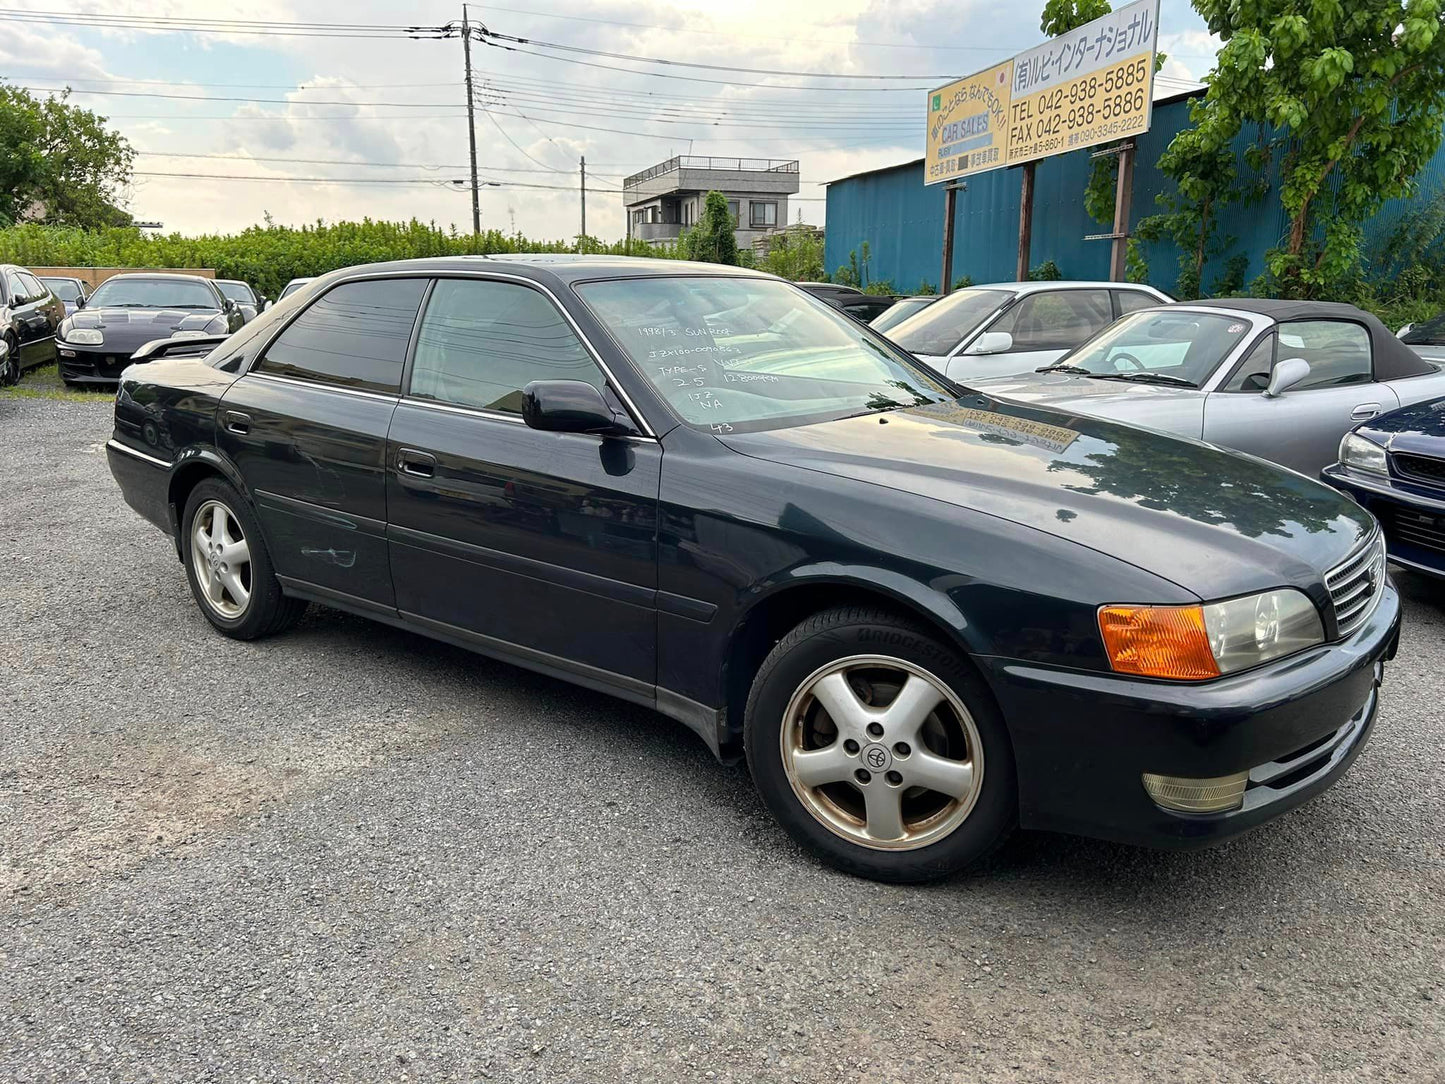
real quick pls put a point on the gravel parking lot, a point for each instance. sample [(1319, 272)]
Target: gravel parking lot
[(350, 853)]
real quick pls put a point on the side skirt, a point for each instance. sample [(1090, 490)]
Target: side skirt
[(708, 723)]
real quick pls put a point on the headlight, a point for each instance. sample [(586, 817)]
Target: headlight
[(217, 326), (84, 336), (1361, 453), (1194, 643)]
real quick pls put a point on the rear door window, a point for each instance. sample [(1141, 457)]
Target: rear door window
[(1056, 319), (355, 336)]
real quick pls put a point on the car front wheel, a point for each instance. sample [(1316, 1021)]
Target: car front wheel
[(228, 567), (879, 749)]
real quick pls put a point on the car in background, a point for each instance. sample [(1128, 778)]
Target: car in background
[(922, 616), (901, 310), (861, 306), (241, 293), (1394, 465), (292, 286), (1015, 327), (71, 291), (1283, 380), (29, 317), (127, 311)]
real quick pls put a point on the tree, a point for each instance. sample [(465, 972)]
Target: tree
[(1348, 100), (712, 240), (797, 254), (59, 163)]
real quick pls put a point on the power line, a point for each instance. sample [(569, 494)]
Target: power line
[(348, 162), (538, 43), (796, 32), (235, 98), (163, 24), (458, 185), (594, 94), (498, 125), (714, 119), (252, 86)]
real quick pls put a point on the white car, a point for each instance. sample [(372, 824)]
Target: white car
[(1015, 327)]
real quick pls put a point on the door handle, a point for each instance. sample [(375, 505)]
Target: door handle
[(235, 421), (420, 464), (1364, 411)]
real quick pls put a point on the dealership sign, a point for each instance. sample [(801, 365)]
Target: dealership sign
[(1092, 85)]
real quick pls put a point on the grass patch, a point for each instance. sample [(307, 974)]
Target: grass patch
[(45, 383)]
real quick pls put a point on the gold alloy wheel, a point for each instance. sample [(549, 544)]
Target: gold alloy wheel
[(882, 753), (221, 560)]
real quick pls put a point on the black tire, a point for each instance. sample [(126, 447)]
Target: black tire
[(267, 611), (866, 631), (11, 370)]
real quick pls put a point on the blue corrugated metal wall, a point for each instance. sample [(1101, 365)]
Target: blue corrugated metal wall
[(902, 219)]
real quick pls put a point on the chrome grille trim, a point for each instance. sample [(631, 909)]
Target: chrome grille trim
[(1356, 584)]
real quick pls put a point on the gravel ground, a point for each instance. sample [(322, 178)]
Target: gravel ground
[(350, 853)]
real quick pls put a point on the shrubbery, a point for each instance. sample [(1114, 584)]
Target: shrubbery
[(269, 256)]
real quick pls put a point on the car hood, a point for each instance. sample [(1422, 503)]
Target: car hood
[(1417, 428), (1214, 522), (131, 328), (1172, 410)]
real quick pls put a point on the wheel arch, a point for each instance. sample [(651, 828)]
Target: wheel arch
[(193, 466), (778, 610)]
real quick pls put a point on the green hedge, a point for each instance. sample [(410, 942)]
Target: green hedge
[(270, 256)]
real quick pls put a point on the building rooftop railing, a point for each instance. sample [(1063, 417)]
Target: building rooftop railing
[(694, 161)]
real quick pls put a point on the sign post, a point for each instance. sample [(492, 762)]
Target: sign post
[(1026, 220)]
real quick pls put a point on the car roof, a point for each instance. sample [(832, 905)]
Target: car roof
[(1035, 285), (1392, 358), (556, 268), (160, 275)]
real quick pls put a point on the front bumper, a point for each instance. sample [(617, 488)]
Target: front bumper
[(91, 364), (1413, 520), (1083, 740)]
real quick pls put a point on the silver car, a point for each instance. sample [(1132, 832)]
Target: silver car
[(1284, 380), (1014, 327)]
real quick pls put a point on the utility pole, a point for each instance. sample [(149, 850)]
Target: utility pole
[(1026, 220), (583, 161), (471, 122)]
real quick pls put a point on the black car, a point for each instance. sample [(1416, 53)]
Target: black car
[(241, 293), (922, 614), (127, 311), (862, 307), (28, 319), (71, 291), (1394, 465)]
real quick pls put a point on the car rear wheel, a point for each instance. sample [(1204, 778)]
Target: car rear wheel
[(228, 567), (879, 749)]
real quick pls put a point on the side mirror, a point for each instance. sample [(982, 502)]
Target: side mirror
[(1287, 373), (991, 342), (1403, 331), (570, 406), (80, 302), (267, 306)]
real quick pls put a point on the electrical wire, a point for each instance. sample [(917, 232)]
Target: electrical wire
[(165, 24)]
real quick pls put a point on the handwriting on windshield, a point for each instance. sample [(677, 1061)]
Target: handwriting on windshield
[(674, 332)]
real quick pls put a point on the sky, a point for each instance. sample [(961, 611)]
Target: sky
[(333, 128)]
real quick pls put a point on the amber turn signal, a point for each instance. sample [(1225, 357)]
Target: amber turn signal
[(1158, 641)]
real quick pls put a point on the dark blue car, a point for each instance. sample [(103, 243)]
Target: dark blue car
[(1394, 465)]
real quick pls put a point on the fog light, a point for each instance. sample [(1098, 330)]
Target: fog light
[(1197, 795)]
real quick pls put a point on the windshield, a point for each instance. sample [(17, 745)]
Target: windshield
[(738, 354), (1426, 333), (128, 293), (1159, 346), (943, 325), (237, 291), (898, 312), (65, 289)]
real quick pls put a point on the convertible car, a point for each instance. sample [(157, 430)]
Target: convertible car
[(923, 615), (1284, 380)]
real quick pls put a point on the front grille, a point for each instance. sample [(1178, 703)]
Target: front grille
[(1423, 468), (1356, 583), (1413, 528)]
